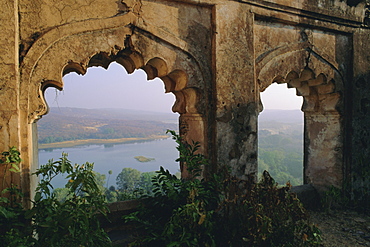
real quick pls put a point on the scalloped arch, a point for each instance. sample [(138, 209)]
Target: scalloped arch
[(81, 46), (293, 57), (318, 92), (284, 65), (175, 82)]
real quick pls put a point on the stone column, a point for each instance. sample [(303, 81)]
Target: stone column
[(194, 123), (323, 150), (9, 84), (235, 89)]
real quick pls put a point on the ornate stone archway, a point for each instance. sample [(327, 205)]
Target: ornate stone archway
[(228, 50), (323, 126), (77, 46), (316, 77)]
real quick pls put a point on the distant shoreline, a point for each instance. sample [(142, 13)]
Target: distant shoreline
[(68, 144)]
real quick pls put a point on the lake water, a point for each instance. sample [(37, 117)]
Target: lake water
[(115, 157)]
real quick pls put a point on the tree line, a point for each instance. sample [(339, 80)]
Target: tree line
[(58, 129)]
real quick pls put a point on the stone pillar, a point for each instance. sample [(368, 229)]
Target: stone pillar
[(194, 123), (9, 84), (323, 147), (235, 89)]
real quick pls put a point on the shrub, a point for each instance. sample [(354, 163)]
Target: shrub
[(69, 222), (219, 211), (74, 221)]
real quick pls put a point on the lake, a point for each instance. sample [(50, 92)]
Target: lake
[(115, 157)]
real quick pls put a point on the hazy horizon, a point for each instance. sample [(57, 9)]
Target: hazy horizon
[(112, 88), (115, 89)]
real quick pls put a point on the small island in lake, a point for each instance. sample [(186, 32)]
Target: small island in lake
[(143, 159)]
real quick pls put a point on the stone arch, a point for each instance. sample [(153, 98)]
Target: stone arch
[(65, 47), (319, 94), (322, 107), (76, 46), (174, 82), (293, 57)]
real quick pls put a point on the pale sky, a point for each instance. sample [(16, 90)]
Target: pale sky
[(114, 88), (278, 96)]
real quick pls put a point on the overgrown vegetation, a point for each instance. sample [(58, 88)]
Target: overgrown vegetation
[(15, 230), (219, 211), (71, 222)]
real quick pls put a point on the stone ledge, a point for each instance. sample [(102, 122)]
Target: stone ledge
[(308, 195), (123, 205)]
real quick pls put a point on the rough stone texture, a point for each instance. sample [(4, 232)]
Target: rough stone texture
[(358, 175), (216, 57), (236, 112), (308, 195), (9, 82)]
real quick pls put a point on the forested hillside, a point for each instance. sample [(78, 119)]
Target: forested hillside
[(280, 146), (66, 124)]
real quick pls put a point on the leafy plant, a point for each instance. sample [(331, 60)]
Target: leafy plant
[(262, 214), (14, 229), (332, 198), (69, 222), (219, 211), (74, 221), (10, 161)]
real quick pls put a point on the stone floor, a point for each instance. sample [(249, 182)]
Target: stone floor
[(342, 228)]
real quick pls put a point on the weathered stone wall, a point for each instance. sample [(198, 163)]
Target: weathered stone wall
[(216, 57), (9, 82), (307, 59), (358, 174), (236, 108)]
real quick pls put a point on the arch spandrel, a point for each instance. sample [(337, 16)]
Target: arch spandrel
[(68, 47), (76, 52), (175, 55)]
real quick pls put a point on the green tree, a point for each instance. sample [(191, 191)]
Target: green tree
[(112, 195), (100, 181), (146, 181), (128, 179)]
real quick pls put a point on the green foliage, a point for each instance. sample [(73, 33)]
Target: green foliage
[(10, 160), (282, 156), (263, 214), (333, 198), (14, 229), (60, 217), (71, 222), (219, 211), (128, 179), (188, 155), (131, 184), (145, 183)]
